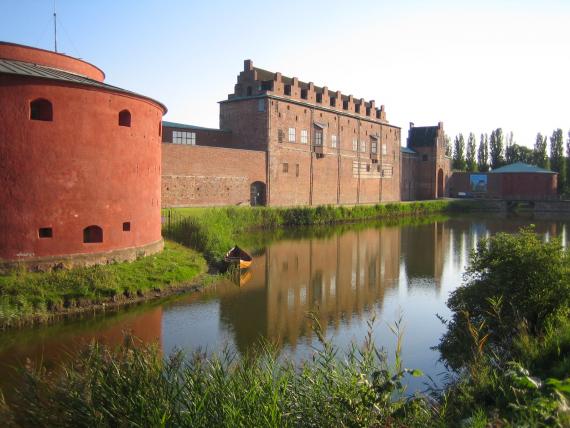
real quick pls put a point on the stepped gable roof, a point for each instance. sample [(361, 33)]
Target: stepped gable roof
[(265, 75), (27, 69), (422, 136), (520, 167)]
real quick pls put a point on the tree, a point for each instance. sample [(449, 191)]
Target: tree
[(470, 156), (459, 163), (557, 160), (496, 149), (448, 148), (511, 149), (540, 152), (568, 156), (483, 154)]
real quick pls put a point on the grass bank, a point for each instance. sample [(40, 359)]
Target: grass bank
[(29, 297), (212, 231)]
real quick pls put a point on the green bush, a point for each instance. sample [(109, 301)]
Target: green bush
[(513, 282)]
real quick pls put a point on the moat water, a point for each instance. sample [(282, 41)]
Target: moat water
[(347, 275)]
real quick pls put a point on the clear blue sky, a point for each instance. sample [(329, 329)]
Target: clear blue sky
[(475, 65)]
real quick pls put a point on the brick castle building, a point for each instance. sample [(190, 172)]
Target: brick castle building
[(79, 163), (284, 142)]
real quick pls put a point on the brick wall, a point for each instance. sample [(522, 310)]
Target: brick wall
[(529, 186), (200, 176)]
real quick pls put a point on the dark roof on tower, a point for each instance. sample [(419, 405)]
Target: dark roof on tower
[(422, 136), (27, 69)]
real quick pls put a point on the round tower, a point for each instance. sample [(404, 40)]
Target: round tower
[(79, 163)]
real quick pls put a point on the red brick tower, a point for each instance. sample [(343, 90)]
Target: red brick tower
[(79, 163)]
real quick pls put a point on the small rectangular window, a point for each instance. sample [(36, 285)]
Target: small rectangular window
[(280, 136), (285, 167), (354, 145), (304, 136), (45, 232), (384, 149), (261, 105), (183, 137), (333, 141), (318, 137), (296, 170), (363, 146), (292, 136), (373, 147), (127, 226)]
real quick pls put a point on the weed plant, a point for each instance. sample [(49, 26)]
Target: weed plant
[(135, 386)]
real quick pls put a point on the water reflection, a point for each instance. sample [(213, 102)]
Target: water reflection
[(343, 275)]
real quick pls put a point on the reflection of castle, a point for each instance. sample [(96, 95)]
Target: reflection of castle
[(423, 250), (339, 277)]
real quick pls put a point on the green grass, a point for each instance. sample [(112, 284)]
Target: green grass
[(27, 296), (213, 231)]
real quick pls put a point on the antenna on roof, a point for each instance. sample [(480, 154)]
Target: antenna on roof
[(54, 28)]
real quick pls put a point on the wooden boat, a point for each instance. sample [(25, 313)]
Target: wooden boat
[(239, 257)]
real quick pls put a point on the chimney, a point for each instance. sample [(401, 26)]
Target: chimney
[(248, 65)]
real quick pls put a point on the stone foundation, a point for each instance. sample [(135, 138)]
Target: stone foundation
[(45, 264)]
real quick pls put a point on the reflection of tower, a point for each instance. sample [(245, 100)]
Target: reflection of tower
[(53, 345), (423, 250)]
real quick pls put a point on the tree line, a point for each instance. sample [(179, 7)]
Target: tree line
[(497, 150)]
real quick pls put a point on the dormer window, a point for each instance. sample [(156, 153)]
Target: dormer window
[(319, 98), (287, 89), (333, 102), (357, 108), (304, 94)]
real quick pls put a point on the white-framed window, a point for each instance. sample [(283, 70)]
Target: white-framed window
[(183, 137), (363, 146), (355, 145), (304, 136), (384, 149), (333, 141), (318, 137), (292, 136), (374, 146)]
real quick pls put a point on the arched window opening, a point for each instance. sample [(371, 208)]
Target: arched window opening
[(92, 234), (41, 109), (125, 118), (257, 190)]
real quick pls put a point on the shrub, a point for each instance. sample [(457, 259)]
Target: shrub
[(513, 282)]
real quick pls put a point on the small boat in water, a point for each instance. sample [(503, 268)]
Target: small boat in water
[(239, 257)]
